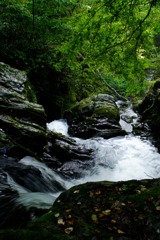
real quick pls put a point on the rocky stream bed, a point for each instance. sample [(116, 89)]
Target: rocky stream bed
[(93, 210)]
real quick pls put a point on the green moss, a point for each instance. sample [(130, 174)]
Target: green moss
[(122, 211), (31, 94), (108, 111)]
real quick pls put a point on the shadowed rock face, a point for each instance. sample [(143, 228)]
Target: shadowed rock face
[(149, 108), (22, 123), (95, 116), (12, 79)]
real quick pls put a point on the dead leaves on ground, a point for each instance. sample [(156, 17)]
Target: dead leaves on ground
[(98, 215), (111, 211)]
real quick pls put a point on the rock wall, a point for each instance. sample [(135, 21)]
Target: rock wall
[(149, 109), (22, 123)]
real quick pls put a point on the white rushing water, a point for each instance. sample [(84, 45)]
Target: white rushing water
[(59, 126), (119, 158)]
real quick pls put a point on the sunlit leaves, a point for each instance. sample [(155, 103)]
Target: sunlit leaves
[(114, 36)]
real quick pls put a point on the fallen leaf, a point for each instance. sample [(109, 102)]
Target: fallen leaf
[(61, 221), (57, 215), (91, 194), (68, 210), (120, 231), (68, 230), (70, 222), (96, 209), (113, 221), (94, 217), (106, 212), (98, 192)]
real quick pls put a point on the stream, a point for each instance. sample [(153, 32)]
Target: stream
[(115, 159), (33, 185)]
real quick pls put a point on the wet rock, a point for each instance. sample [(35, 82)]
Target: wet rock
[(17, 178), (12, 214), (66, 149), (12, 79), (95, 116), (32, 179), (22, 123), (75, 169)]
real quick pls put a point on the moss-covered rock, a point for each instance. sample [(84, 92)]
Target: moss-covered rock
[(127, 210), (22, 123), (94, 116)]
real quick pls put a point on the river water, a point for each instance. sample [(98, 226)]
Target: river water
[(115, 159)]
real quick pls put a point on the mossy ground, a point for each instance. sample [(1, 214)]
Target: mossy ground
[(102, 210)]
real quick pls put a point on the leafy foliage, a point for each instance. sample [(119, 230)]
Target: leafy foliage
[(116, 38), (96, 44), (30, 37)]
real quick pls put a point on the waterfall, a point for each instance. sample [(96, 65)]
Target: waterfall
[(115, 159), (120, 158)]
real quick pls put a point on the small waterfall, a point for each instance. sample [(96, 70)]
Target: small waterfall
[(59, 126), (119, 158), (127, 116), (34, 185), (123, 158)]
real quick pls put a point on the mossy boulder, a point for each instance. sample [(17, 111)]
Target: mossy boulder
[(22, 123), (94, 116), (128, 210)]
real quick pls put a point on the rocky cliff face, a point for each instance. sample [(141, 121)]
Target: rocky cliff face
[(150, 111), (22, 123)]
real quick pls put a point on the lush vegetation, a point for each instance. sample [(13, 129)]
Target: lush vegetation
[(93, 45)]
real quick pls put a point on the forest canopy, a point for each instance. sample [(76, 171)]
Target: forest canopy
[(92, 41)]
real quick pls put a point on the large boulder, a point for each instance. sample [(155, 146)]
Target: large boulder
[(67, 155), (94, 116), (102, 210), (22, 123)]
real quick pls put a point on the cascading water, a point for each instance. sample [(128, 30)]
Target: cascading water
[(114, 159), (119, 158)]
